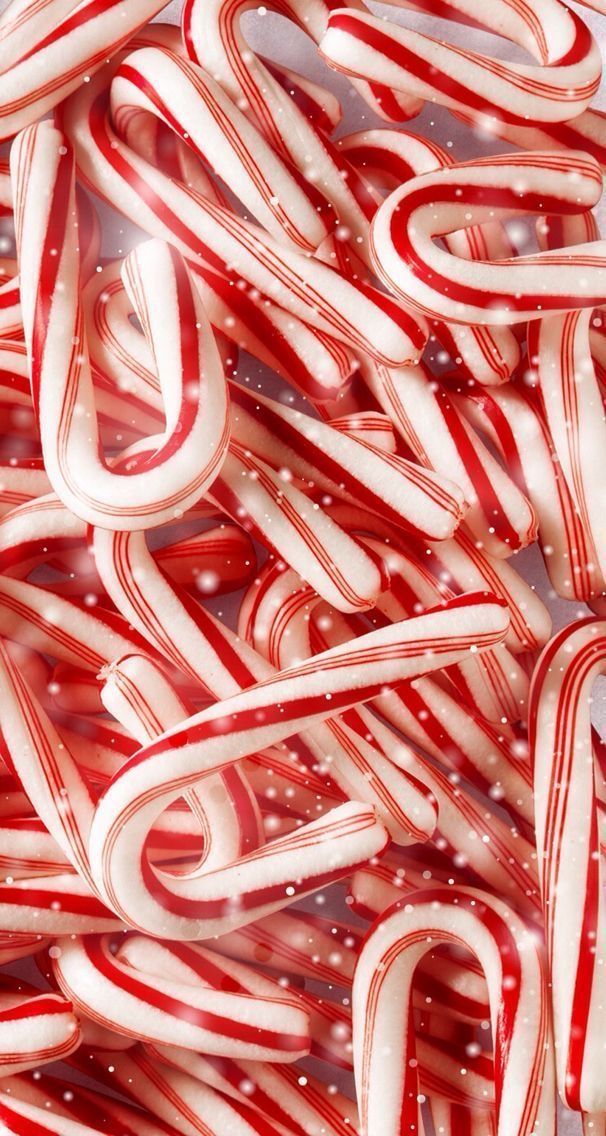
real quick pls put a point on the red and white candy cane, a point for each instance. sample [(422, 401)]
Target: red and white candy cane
[(557, 87), (439, 284), (487, 354), (569, 854), (560, 353), (158, 82), (164, 474), (49, 1106), (287, 1094), (69, 40), (515, 421), (211, 235), (214, 36), (36, 1027), (517, 986), (314, 855), (343, 466), (171, 1096), (313, 361), (140, 696), (147, 990)]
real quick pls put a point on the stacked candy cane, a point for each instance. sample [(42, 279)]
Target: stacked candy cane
[(278, 410)]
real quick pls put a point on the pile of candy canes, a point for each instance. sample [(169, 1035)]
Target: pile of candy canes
[(390, 712)]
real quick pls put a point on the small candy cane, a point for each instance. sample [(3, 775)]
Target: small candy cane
[(208, 234), (450, 288), (569, 856), (560, 86), (517, 986), (165, 474)]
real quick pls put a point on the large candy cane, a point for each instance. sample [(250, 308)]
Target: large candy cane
[(440, 284), (68, 39), (558, 88), (517, 986), (201, 904), (164, 474), (569, 856)]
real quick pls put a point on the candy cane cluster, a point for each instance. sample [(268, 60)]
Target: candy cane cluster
[(291, 765)]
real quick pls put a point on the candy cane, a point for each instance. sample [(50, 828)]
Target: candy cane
[(271, 711), (499, 518), (505, 860), (35, 1027), (169, 473), (192, 103), (486, 354), (123, 993), (69, 40), (48, 1106), (440, 284), (568, 848), (170, 1095), (315, 362), (559, 350), (139, 695), (515, 421), (517, 988), (209, 234), (559, 86), (344, 466), (287, 1095), (213, 36)]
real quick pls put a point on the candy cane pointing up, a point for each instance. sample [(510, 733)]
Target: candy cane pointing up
[(571, 874), (517, 986), (558, 88), (163, 474), (199, 905), (516, 290)]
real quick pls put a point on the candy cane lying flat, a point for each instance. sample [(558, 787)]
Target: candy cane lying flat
[(164, 475), (170, 1096), (139, 695), (499, 517), (200, 905), (569, 857), (187, 99), (487, 354), (314, 362), (440, 284), (121, 993), (560, 87), (517, 987), (209, 234), (286, 1094), (48, 1106), (68, 40), (35, 1028)]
